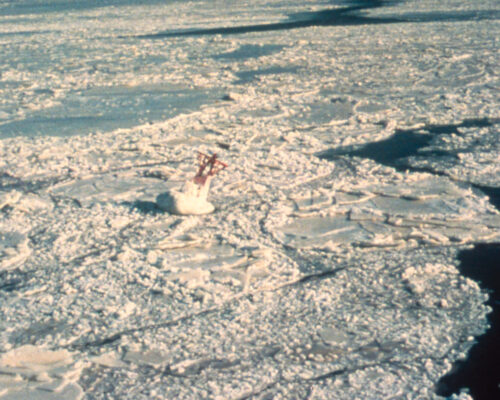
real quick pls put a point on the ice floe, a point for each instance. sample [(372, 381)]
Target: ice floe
[(31, 372)]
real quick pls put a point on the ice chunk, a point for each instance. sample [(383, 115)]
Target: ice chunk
[(31, 202), (192, 201), (49, 372), (109, 360), (192, 278), (332, 335), (179, 242), (148, 357), (315, 231), (14, 250), (35, 358), (70, 392)]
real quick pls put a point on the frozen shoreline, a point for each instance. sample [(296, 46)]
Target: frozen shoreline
[(314, 277)]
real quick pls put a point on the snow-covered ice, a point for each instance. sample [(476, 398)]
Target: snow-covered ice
[(315, 269)]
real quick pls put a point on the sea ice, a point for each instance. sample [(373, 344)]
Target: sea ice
[(315, 278)]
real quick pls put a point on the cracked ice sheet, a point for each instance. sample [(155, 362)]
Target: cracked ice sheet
[(238, 302), (399, 211), (225, 304)]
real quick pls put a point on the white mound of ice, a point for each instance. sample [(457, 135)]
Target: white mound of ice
[(191, 201)]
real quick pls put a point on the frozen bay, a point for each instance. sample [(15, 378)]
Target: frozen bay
[(358, 139)]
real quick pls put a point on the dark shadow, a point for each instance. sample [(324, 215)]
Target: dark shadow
[(480, 372), (8, 181), (147, 207), (329, 17), (319, 276), (351, 14), (13, 280), (12, 285)]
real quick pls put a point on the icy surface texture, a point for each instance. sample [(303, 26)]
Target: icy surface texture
[(314, 278)]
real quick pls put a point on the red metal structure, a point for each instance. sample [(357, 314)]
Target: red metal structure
[(211, 163)]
